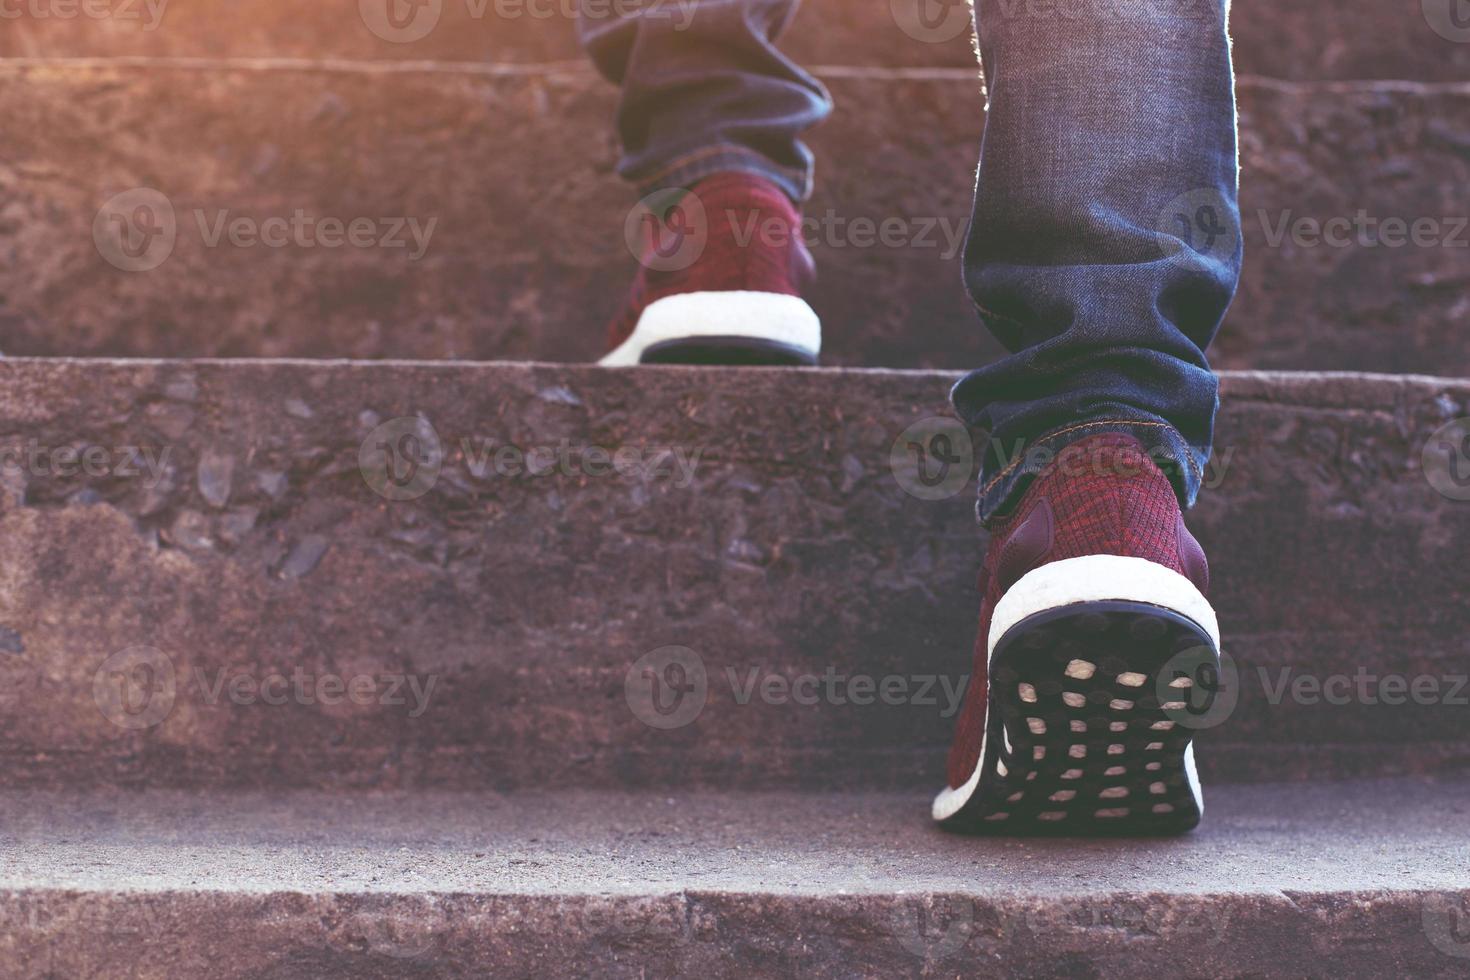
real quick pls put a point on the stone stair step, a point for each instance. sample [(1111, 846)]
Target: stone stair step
[(1303, 880), (1307, 39), (214, 595), (526, 256)]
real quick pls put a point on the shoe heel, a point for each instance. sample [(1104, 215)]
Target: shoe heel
[(731, 351), (1090, 731)]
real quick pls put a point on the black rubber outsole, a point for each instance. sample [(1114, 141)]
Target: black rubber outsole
[(729, 351), (1097, 701)]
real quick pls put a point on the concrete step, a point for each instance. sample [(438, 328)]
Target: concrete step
[(1288, 880), (214, 594), (520, 219), (1306, 39)]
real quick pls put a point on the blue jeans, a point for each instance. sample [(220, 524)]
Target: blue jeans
[(705, 90), (1105, 245)]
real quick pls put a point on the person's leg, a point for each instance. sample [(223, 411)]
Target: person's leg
[(705, 90), (1106, 241), (711, 119), (1104, 252)]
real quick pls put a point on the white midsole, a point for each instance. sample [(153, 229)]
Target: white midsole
[(1091, 578), (773, 317), (1100, 578)]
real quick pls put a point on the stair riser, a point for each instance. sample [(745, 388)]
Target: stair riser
[(525, 257), (1112, 935), (528, 602), (1308, 40)]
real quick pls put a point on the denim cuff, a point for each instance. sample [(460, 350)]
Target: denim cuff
[(688, 169), (1009, 465)]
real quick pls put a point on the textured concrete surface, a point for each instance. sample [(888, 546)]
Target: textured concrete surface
[(1305, 39), (1282, 880), (495, 625), (526, 258)]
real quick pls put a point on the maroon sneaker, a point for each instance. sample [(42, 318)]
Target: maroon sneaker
[(1093, 629), (723, 270)]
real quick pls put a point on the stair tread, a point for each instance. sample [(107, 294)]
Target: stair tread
[(526, 257), (576, 69), (1265, 839)]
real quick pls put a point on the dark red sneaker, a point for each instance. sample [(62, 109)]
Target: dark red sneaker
[(723, 271), (1094, 628)]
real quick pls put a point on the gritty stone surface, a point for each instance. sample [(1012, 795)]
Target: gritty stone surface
[(1306, 39), (493, 615), (526, 257), (1351, 879), (1383, 287)]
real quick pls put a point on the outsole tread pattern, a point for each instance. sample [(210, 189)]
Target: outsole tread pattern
[(1081, 739)]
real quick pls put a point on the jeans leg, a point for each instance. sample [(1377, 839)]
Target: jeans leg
[(1106, 241), (705, 90)]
